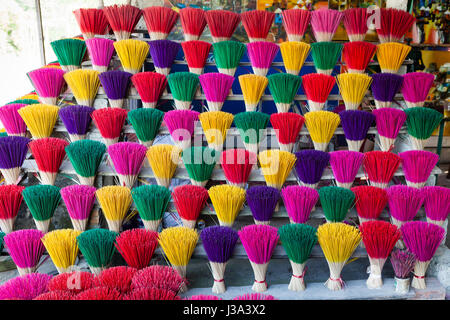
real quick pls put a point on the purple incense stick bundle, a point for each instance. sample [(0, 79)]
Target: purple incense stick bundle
[(417, 166), (436, 204), (100, 51), (25, 248), (416, 86), (216, 87), (77, 120), (262, 201), (404, 203), (12, 121), (79, 200), (116, 84), (181, 124), (389, 122), (299, 202), (422, 239), (163, 53), (13, 151), (403, 262), (127, 158), (219, 243), (356, 124), (384, 88), (310, 166), (48, 83), (345, 166), (259, 241), (26, 287)]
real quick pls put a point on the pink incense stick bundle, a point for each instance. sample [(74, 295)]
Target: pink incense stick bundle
[(196, 52), (10, 200), (436, 204), (237, 165), (299, 202), (150, 86), (324, 23), (417, 166), (109, 122), (79, 201), (26, 287), (261, 55), (12, 121), (369, 202), (416, 86), (355, 23), (357, 55), (345, 166), (49, 153), (404, 203), (389, 122), (193, 22), (379, 238), (48, 83), (422, 239), (380, 167), (159, 21), (127, 158), (287, 126), (100, 51), (181, 124), (122, 19), (317, 87), (295, 22), (259, 241), (216, 87), (25, 248), (257, 24)]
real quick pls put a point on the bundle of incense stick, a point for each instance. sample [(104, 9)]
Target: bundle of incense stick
[(298, 241), (261, 55), (259, 241), (219, 243), (159, 21), (294, 55), (295, 23), (338, 242), (237, 165), (163, 159), (257, 24), (379, 238), (178, 244), (423, 239), (369, 202), (222, 24), (193, 22)]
